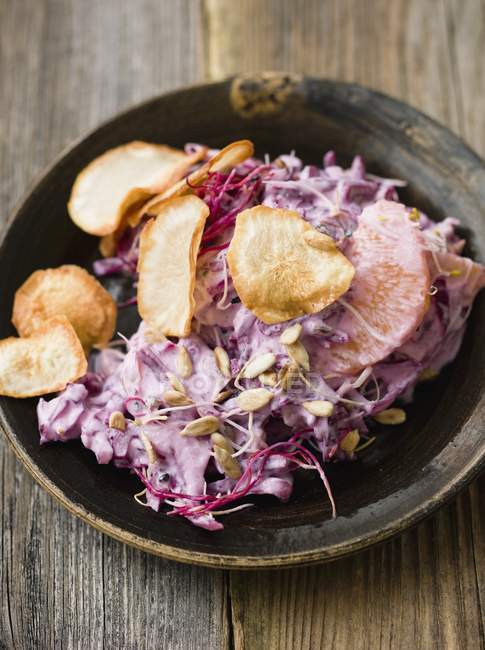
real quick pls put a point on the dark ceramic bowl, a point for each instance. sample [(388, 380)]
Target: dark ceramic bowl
[(410, 470)]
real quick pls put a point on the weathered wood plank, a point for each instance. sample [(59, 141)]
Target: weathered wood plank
[(64, 67), (425, 589), (418, 591), (425, 53)]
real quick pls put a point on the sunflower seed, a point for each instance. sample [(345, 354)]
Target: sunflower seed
[(229, 465), (287, 376), (222, 361), (319, 407), (259, 364), (297, 352), (428, 374), (151, 453), (391, 416), (350, 441), (223, 395), (218, 440), (201, 427), (268, 378), (254, 399), (184, 363), (175, 382), (175, 398), (291, 334), (117, 421)]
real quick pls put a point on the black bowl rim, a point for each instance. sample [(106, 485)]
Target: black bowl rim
[(343, 549)]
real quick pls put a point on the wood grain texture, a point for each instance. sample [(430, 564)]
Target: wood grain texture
[(65, 65), (428, 54), (425, 589)]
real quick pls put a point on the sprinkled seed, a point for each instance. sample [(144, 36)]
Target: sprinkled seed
[(350, 441), (175, 382), (184, 363), (117, 421), (414, 215), (391, 416), (175, 398), (223, 395), (287, 376), (259, 364), (201, 427), (254, 399), (428, 374), (268, 378), (291, 334), (222, 361), (229, 465), (319, 407), (151, 453), (218, 440), (298, 353)]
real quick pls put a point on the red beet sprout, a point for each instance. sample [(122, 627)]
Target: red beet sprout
[(210, 249), (290, 449)]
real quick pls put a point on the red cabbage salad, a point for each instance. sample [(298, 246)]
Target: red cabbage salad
[(237, 406)]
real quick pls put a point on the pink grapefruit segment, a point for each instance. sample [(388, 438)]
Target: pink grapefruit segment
[(389, 295)]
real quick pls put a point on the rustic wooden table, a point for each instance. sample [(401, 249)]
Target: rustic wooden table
[(68, 64)]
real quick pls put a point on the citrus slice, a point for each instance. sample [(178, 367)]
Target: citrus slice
[(42, 363), (224, 160), (282, 267), (168, 254), (69, 291), (389, 294), (121, 179)]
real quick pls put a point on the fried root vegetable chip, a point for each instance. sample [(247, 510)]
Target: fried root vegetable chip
[(168, 254), (42, 363), (122, 179), (282, 267), (224, 160), (68, 291)]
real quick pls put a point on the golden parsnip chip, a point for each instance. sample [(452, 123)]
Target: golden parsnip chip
[(168, 254), (224, 160), (121, 179), (282, 267), (68, 291), (42, 363)]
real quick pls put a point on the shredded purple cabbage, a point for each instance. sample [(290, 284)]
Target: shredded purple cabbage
[(270, 443)]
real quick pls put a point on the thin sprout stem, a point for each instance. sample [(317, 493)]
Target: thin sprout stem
[(366, 444), (250, 439), (243, 506)]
